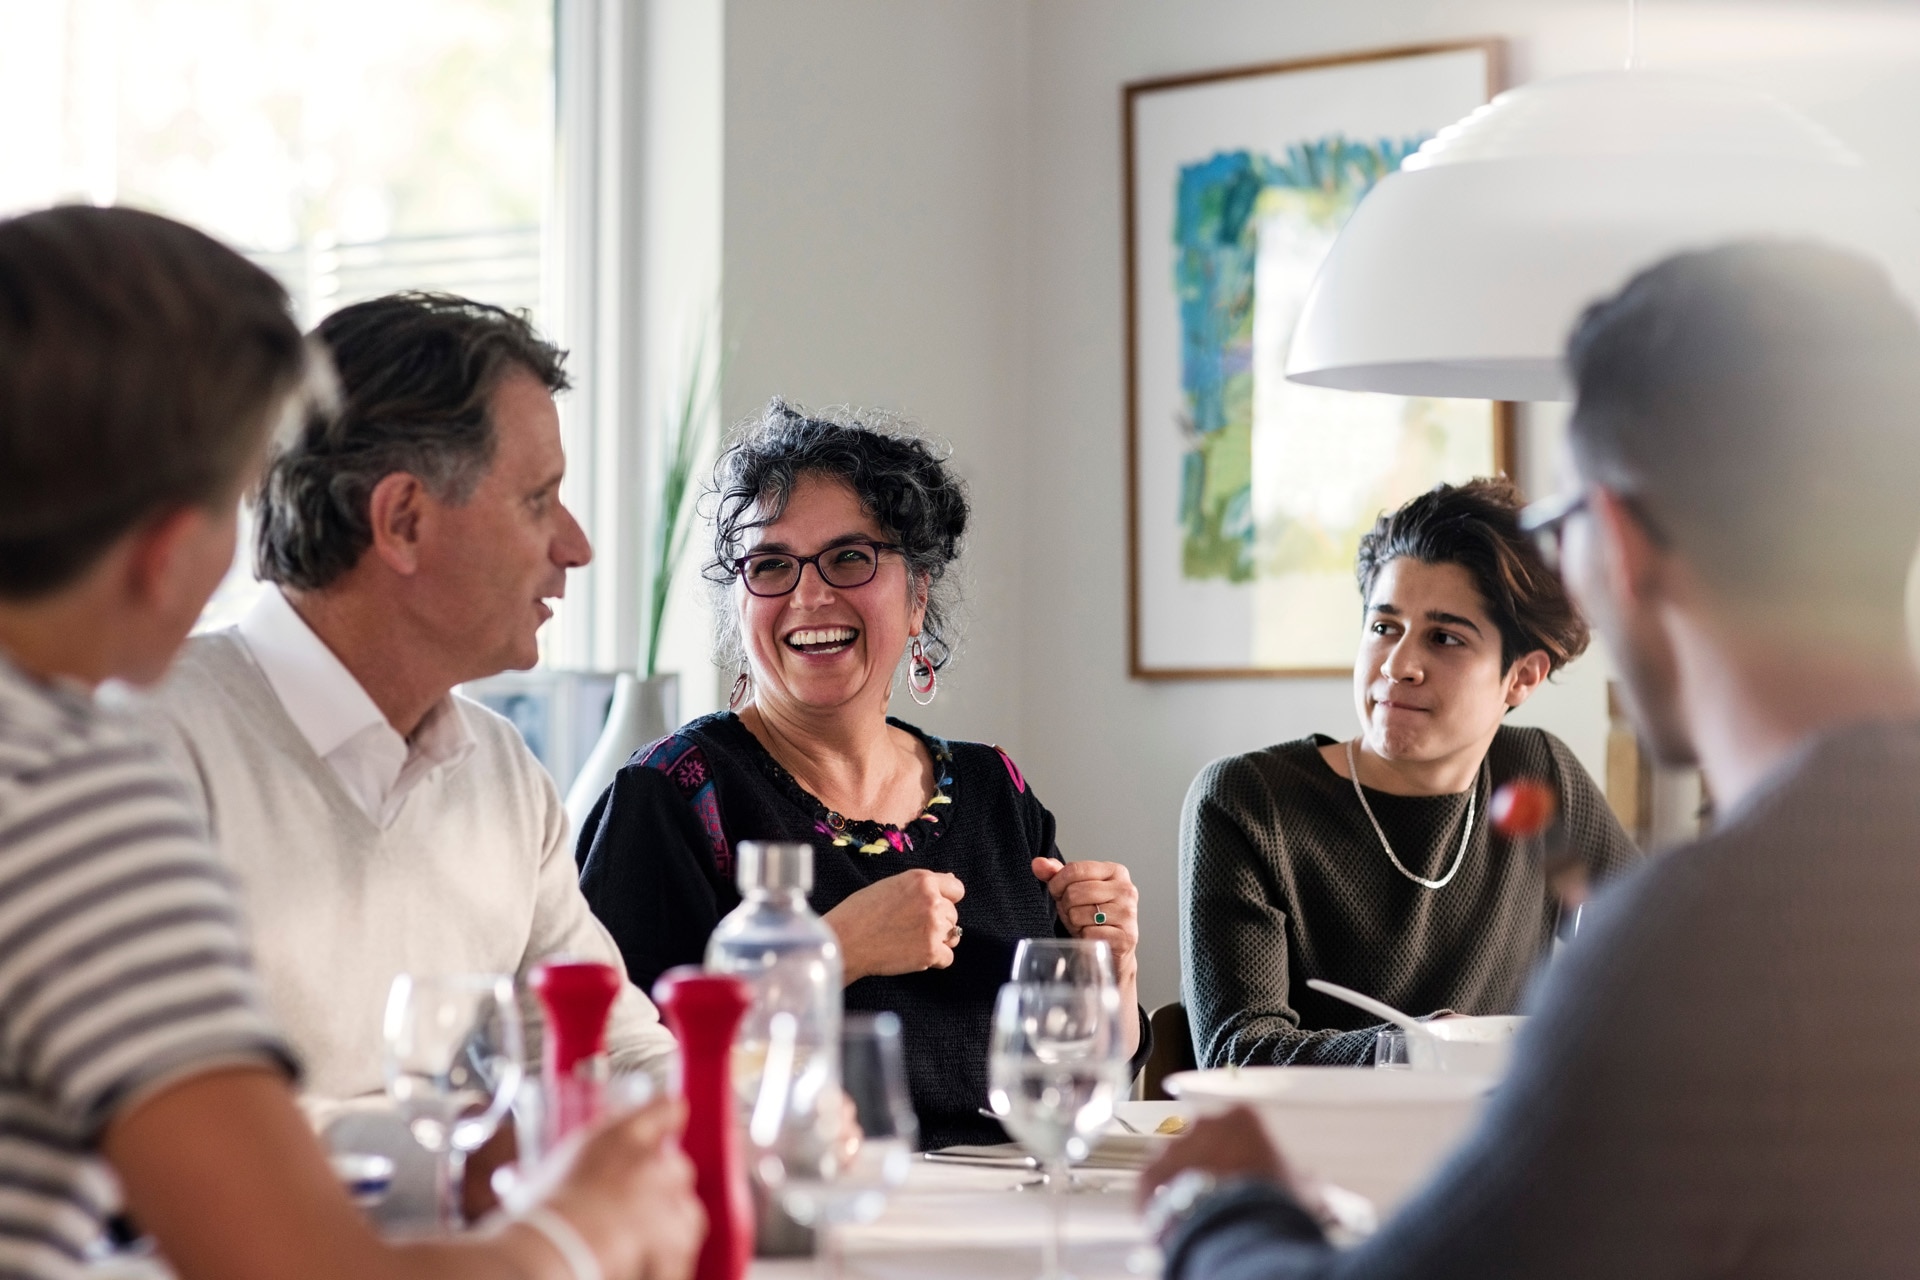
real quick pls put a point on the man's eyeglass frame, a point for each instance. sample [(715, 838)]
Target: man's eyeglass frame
[(801, 563), (1545, 521)]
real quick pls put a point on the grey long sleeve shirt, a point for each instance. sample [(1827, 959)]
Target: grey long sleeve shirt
[(1722, 1076), (1285, 879)]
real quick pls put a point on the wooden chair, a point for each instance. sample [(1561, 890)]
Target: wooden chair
[(1172, 1050)]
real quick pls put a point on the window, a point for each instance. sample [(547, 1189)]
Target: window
[(352, 148)]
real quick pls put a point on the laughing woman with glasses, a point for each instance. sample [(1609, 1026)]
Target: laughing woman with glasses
[(1371, 861), (833, 541)]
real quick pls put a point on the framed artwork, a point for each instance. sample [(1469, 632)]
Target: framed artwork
[(1248, 494)]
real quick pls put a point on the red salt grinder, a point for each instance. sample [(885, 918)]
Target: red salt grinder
[(703, 1010), (577, 996)]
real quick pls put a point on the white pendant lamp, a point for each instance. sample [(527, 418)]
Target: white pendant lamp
[(1463, 273)]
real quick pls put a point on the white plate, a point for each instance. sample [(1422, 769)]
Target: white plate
[(1379, 1133), (1324, 1086)]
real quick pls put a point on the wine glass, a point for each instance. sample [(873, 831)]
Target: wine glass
[(1390, 1050), (453, 1061), (1056, 1069), (1074, 961), (1077, 962), (833, 1156)]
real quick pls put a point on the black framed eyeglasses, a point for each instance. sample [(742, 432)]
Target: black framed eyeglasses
[(844, 565), (1545, 522)]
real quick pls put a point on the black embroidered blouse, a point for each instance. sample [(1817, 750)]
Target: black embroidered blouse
[(656, 859)]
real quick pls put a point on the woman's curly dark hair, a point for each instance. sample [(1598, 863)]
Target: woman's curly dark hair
[(1476, 525), (899, 478)]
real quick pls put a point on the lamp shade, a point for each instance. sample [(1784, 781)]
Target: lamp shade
[(1463, 273)]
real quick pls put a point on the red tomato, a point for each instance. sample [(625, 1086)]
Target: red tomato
[(1523, 807)]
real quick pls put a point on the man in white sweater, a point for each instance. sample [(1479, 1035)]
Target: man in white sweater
[(378, 823)]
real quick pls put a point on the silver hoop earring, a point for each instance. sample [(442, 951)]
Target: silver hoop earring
[(923, 682), (741, 688)]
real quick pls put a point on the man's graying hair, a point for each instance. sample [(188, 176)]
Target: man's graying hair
[(901, 481), (416, 374), (1756, 401)]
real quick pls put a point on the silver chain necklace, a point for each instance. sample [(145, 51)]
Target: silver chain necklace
[(1353, 775)]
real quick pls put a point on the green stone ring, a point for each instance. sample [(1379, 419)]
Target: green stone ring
[(1099, 917)]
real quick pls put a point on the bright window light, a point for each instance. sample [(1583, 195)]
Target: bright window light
[(352, 148)]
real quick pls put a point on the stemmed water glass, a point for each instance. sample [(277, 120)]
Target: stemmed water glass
[(1077, 962), (453, 1061), (1056, 1069), (1074, 961), (826, 1174)]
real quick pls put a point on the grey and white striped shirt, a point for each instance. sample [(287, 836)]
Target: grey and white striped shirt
[(123, 962)]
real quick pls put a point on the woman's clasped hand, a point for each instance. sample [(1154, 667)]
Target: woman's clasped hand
[(1097, 901), (902, 924)]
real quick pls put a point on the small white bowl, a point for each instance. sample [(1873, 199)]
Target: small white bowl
[(1379, 1133), (1465, 1046)]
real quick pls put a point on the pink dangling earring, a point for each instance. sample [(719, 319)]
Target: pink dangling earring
[(922, 680), (741, 687)]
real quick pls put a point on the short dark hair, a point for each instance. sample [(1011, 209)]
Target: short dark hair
[(1758, 403), (1476, 525), (142, 365), (899, 478), (416, 374)]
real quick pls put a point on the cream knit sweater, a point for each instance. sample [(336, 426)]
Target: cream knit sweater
[(474, 875)]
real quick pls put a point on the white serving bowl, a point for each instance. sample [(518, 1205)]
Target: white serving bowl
[(1379, 1133), (1465, 1046)]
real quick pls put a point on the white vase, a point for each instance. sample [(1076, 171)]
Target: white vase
[(643, 711)]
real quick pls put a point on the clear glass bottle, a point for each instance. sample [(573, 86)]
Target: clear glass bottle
[(790, 961)]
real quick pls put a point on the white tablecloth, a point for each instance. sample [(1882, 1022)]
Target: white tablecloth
[(947, 1223), (956, 1223)]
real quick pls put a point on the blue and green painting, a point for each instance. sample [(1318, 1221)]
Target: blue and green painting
[(1223, 205)]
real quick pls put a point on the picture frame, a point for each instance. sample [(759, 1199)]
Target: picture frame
[(1246, 494), (559, 713)]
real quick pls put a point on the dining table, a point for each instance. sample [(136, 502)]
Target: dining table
[(977, 1219)]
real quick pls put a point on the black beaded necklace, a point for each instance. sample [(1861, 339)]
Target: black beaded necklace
[(864, 835)]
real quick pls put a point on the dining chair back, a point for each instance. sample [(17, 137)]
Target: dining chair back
[(1172, 1050)]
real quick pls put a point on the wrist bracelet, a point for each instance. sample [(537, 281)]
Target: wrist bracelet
[(566, 1240), (1173, 1201)]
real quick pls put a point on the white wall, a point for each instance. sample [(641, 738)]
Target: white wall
[(682, 220), (923, 204), (874, 255)]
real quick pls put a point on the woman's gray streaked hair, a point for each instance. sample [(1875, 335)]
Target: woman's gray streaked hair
[(902, 481)]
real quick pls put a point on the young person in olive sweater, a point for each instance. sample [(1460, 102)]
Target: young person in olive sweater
[(1373, 862)]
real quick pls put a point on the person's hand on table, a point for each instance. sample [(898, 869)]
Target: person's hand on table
[(1097, 901), (627, 1188), (902, 924), (231, 1137), (1225, 1147)]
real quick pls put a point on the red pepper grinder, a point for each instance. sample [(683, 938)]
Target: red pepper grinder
[(703, 1011), (577, 996)]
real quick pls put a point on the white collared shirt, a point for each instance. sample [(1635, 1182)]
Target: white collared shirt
[(340, 721)]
